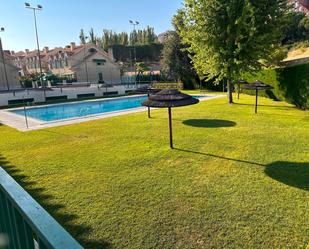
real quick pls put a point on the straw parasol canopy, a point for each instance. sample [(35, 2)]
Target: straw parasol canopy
[(168, 99), (147, 90), (240, 82), (257, 86)]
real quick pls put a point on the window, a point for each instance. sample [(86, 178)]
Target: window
[(101, 78)]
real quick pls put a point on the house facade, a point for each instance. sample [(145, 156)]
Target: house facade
[(84, 63), (11, 82), (301, 6)]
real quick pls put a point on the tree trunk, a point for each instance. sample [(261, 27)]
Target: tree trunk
[(230, 91)]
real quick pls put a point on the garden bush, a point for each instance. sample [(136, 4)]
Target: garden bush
[(290, 84), (168, 85)]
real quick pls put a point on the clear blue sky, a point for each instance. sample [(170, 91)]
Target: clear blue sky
[(60, 21)]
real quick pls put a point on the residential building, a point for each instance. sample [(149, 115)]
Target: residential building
[(162, 38), (12, 72), (301, 6), (84, 63)]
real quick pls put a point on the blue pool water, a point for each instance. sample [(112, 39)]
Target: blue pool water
[(83, 108)]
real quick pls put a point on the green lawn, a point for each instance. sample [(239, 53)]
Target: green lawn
[(236, 179)]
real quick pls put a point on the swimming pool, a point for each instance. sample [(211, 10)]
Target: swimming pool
[(83, 108)]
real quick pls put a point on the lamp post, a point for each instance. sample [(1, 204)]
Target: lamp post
[(3, 60), (85, 61), (39, 7), (134, 23)]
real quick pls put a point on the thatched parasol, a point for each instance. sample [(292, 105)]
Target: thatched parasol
[(240, 82), (147, 90), (257, 85), (169, 99)]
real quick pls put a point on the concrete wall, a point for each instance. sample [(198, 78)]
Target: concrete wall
[(70, 92)]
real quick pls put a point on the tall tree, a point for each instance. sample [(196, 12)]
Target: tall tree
[(92, 36), (227, 38), (110, 38), (304, 23), (293, 30), (175, 62), (82, 37)]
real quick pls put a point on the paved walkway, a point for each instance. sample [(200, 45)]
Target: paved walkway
[(19, 121)]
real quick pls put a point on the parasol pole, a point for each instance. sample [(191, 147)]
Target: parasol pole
[(25, 113), (170, 126), (148, 106), (256, 99)]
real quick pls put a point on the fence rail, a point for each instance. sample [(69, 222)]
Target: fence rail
[(24, 224)]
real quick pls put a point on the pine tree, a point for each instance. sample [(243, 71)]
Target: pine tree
[(82, 37), (92, 36)]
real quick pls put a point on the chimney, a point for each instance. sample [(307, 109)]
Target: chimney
[(12, 52), (45, 49), (111, 54), (72, 45), (27, 51)]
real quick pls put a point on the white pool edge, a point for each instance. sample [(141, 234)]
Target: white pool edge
[(18, 121)]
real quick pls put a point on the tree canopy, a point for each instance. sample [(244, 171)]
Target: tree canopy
[(176, 63), (110, 38), (296, 28), (227, 38), (82, 37)]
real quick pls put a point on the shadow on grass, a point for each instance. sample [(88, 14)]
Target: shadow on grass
[(209, 123), (273, 106), (79, 232), (221, 157), (290, 173)]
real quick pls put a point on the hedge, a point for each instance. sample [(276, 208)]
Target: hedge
[(149, 52), (168, 85), (290, 84)]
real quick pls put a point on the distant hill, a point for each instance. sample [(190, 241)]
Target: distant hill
[(298, 54)]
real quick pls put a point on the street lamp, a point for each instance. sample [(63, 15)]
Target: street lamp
[(86, 67), (134, 23), (3, 60), (39, 7)]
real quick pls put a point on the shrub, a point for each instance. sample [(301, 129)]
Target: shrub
[(168, 85)]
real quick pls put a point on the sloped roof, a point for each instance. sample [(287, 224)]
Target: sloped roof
[(8, 61), (58, 50)]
